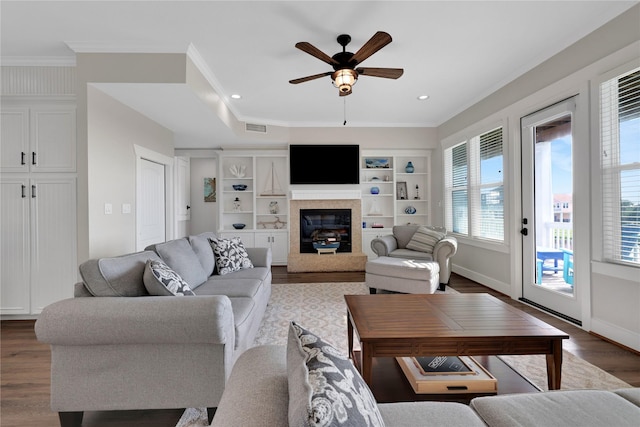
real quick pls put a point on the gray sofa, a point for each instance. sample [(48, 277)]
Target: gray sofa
[(395, 246), (115, 347), (257, 394)]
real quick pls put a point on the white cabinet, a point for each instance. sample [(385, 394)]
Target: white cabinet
[(38, 246), (368, 236), (38, 139), (38, 263), (278, 241), (183, 189)]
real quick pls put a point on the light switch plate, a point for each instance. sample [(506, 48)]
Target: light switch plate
[(108, 208)]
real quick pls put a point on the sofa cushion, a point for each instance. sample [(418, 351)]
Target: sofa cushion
[(179, 255), (218, 285), (202, 248), (161, 280), (411, 254), (325, 389), (230, 255), (557, 408), (429, 414), (117, 276), (424, 239)]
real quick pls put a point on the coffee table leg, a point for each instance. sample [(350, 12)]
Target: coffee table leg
[(367, 363), (349, 336), (554, 366)]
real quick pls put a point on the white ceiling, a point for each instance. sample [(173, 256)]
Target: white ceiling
[(456, 52)]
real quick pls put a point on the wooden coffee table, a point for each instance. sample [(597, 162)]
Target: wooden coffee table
[(392, 325)]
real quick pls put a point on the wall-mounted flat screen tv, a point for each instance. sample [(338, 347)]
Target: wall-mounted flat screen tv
[(324, 164)]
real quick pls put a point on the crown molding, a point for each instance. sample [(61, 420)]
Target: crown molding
[(38, 61), (125, 47)]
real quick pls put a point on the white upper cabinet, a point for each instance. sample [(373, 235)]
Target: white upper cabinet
[(39, 139)]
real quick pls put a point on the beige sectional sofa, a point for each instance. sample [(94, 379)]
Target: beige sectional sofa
[(115, 347), (259, 394)]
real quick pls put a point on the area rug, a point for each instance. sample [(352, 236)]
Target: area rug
[(320, 307)]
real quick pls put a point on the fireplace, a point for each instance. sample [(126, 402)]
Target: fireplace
[(325, 228), (299, 262)]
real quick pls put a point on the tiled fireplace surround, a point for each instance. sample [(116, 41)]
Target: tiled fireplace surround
[(342, 261)]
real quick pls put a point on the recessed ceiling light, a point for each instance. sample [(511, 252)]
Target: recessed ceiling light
[(423, 97), (236, 96)]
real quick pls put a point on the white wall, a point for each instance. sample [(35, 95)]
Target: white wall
[(113, 130), (610, 294), (204, 215)]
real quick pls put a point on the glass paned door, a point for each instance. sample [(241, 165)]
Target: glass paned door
[(548, 209)]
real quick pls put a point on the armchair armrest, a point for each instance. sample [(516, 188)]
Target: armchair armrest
[(442, 253), (137, 320), (260, 257), (383, 245)]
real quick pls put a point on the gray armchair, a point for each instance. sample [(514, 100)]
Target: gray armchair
[(395, 246)]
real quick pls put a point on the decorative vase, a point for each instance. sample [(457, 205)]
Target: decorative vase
[(375, 190), (409, 168), (273, 207), (236, 205)]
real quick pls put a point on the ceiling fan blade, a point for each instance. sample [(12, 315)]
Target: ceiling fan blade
[(387, 73), (306, 79), (375, 43), (314, 51)]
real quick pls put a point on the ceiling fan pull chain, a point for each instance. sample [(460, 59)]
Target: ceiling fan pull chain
[(345, 111)]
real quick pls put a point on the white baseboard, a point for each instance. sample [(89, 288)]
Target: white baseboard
[(615, 333), (490, 282)]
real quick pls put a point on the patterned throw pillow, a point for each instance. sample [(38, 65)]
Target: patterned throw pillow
[(230, 255), (425, 239), (325, 389), (159, 279)]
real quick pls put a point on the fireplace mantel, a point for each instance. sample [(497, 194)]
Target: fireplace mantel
[(326, 194)]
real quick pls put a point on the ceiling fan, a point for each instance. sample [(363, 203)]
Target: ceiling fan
[(345, 74)]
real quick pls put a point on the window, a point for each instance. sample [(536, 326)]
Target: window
[(620, 167), (474, 187)]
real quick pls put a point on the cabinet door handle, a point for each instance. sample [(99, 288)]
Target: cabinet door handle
[(33, 157), (24, 191), (188, 207), (33, 191), (22, 157)]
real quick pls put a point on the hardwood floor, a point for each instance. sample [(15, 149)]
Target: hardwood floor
[(25, 363)]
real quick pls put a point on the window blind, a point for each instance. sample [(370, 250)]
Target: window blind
[(474, 203), (620, 167)]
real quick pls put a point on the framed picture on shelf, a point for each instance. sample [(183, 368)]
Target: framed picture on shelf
[(381, 163), (401, 190)]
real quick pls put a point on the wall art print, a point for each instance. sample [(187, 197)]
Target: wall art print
[(209, 189)]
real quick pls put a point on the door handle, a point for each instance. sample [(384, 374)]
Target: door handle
[(524, 231), (33, 191), (24, 188), (22, 161), (33, 158)]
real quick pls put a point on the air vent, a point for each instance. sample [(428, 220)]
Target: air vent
[(252, 127)]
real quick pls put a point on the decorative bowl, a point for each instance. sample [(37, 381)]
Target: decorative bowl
[(239, 226), (239, 187), (410, 210)]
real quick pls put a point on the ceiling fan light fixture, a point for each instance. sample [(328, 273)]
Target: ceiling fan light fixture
[(344, 79)]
